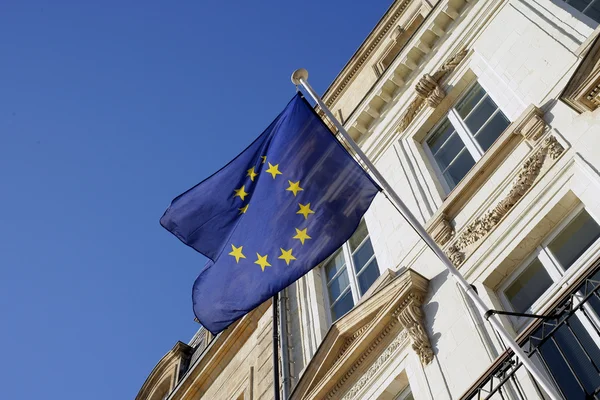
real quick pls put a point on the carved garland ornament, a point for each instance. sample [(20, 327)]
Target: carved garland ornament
[(479, 228), (429, 89)]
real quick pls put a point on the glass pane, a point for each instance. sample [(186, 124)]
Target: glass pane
[(338, 285), (575, 239), (367, 276), (342, 307), (363, 255), (439, 137), (459, 168), (569, 364), (470, 100), (481, 114), (334, 265), (449, 152), (593, 11), (488, 135), (580, 5), (528, 287), (359, 235)]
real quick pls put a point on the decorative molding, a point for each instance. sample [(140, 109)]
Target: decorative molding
[(483, 225), (390, 350), (351, 340), (411, 318), (356, 341), (429, 89), (440, 229), (583, 90), (374, 344), (341, 82), (533, 127)]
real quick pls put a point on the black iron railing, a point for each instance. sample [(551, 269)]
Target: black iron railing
[(564, 342)]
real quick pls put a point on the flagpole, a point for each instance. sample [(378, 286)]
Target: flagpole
[(275, 348), (300, 77)]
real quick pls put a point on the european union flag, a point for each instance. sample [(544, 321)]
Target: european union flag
[(268, 217)]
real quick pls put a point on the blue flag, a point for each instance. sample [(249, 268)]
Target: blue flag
[(272, 214)]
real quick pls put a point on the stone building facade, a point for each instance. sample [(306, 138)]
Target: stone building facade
[(484, 115)]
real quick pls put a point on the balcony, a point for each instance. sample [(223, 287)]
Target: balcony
[(565, 344)]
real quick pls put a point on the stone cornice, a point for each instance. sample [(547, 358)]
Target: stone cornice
[(408, 63), (583, 90), (221, 351), (166, 368), (361, 55), (354, 343)]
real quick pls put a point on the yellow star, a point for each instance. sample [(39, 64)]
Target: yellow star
[(264, 159), (273, 170), (252, 174), (244, 209), (237, 253), (262, 261), (241, 193), (301, 235), (305, 210), (286, 256), (294, 187)]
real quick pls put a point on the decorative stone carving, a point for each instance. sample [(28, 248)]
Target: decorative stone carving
[(479, 228), (429, 89), (411, 318), (333, 393), (583, 90), (594, 96), (351, 339), (440, 229), (533, 128), (383, 357)]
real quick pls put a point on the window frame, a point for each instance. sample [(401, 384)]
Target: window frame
[(464, 133), (349, 266), (581, 12), (404, 393), (560, 277)]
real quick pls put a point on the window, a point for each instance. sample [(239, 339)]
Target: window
[(549, 263), (350, 272), (460, 140), (591, 8)]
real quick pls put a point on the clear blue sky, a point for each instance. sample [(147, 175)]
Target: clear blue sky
[(107, 111)]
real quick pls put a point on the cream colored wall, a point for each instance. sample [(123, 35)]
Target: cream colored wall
[(249, 373), (524, 55)]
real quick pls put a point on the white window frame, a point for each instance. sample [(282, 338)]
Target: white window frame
[(582, 12), (404, 394), (464, 133), (561, 278), (352, 275)]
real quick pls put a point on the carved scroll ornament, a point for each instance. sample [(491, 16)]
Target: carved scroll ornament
[(411, 318), (479, 228)]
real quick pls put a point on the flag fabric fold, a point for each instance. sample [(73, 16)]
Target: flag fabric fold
[(273, 213)]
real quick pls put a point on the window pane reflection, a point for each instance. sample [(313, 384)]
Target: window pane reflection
[(574, 239), (528, 287)]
